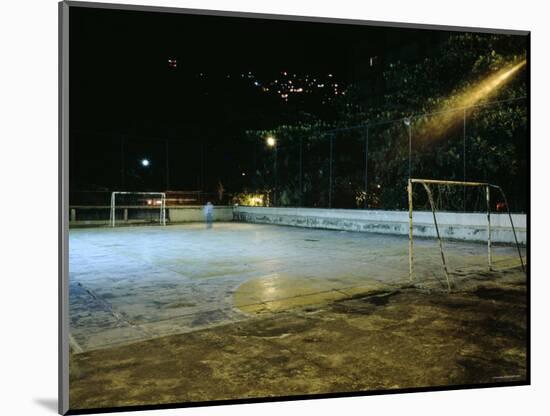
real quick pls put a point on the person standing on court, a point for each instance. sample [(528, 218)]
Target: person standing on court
[(209, 214)]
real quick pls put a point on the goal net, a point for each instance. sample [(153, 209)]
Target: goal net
[(436, 197), (137, 207)]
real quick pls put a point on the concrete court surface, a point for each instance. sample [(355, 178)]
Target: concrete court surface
[(132, 284), (383, 341)]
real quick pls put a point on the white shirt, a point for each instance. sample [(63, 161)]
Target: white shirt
[(208, 209)]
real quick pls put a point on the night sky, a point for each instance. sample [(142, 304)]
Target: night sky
[(127, 100)]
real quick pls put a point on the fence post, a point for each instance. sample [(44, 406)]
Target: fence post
[(410, 194), (122, 164), (330, 175), (167, 152), (464, 160), (366, 166), (410, 148), (276, 176), (300, 175), (489, 249), (112, 213)]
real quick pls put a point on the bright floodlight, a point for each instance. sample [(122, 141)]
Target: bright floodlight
[(144, 162), (270, 141)]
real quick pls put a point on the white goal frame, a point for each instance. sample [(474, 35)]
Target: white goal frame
[(425, 183), (162, 207)]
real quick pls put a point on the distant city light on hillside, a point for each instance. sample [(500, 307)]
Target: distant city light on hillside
[(315, 87)]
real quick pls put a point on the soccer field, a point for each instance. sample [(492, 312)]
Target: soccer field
[(130, 284)]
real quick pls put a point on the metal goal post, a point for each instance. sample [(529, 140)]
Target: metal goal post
[(426, 184), (162, 207)]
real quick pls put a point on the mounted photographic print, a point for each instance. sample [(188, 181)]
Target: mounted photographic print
[(262, 207)]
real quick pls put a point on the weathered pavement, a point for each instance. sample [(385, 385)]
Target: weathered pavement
[(132, 284), (388, 339)]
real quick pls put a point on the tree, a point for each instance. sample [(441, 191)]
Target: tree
[(446, 77)]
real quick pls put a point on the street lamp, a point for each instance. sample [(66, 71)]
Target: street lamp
[(145, 162), (271, 142)]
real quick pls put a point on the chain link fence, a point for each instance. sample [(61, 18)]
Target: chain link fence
[(367, 166)]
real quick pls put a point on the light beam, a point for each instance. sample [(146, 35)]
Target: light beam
[(451, 112)]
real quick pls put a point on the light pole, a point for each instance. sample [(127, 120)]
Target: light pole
[(144, 164), (407, 122), (271, 142)]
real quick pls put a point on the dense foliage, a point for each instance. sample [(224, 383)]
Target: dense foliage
[(493, 138)]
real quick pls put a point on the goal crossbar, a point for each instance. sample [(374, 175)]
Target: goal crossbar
[(162, 207), (440, 182), (487, 186)]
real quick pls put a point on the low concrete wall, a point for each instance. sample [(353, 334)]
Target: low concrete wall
[(99, 215), (195, 214), (459, 226)]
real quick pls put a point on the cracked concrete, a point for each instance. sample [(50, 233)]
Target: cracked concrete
[(131, 284), (390, 340)]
